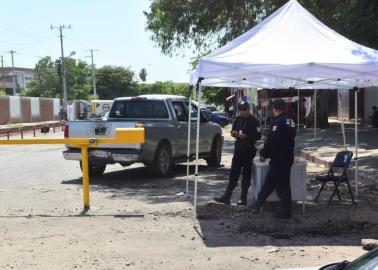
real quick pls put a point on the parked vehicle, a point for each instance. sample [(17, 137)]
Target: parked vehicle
[(165, 119), (216, 118), (368, 261)]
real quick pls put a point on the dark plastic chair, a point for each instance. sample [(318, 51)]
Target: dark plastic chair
[(337, 174)]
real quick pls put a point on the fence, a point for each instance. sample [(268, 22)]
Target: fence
[(7, 132)]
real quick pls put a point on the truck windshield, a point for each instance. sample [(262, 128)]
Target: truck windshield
[(139, 109)]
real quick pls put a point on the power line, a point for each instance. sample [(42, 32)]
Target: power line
[(22, 34)]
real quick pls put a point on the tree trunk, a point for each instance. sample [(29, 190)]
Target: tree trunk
[(322, 110)]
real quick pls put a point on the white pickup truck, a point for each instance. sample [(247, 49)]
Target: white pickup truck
[(165, 119)]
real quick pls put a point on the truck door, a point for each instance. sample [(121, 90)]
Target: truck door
[(182, 127)]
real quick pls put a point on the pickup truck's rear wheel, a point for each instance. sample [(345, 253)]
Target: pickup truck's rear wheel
[(95, 170), (162, 164), (216, 153)]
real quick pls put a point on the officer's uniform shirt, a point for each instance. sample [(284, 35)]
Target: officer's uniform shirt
[(248, 126), (281, 139)]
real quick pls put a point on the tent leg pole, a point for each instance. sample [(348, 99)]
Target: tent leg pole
[(298, 114), (189, 142), (197, 155), (315, 113), (356, 137), (339, 112)]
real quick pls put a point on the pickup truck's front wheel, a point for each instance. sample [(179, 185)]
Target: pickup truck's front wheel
[(216, 153), (162, 164), (94, 170)]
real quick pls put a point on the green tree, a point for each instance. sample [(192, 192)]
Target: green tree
[(46, 81), (168, 88), (115, 82)]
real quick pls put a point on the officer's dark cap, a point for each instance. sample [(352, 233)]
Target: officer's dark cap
[(243, 104), (279, 104)]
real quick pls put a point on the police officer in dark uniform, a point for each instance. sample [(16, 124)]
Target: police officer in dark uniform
[(279, 147), (246, 131)]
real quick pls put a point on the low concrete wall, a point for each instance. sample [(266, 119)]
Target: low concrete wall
[(27, 110)]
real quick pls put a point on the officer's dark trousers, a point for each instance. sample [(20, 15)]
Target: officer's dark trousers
[(278, 178), (239, 162)]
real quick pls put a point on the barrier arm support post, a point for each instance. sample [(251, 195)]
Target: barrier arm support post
[(85, 168)]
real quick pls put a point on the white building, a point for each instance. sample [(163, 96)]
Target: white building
[(22, 75)]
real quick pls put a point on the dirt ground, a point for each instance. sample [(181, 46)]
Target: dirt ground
[(138, 222)]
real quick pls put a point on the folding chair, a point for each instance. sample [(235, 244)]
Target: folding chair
[(337, 174)]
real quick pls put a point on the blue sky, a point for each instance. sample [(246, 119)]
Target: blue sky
[(114, 27)]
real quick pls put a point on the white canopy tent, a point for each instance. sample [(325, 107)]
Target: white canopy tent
[(289, 49)]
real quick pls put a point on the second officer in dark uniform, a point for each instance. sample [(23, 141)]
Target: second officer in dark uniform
[(246, 131), (279, 147)]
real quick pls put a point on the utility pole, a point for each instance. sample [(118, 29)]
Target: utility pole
[(13, 74), (59, 71), (61, 27), (2, 75), (93, 75)]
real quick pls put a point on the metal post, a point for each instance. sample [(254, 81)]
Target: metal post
[(93, 77), (63, 72), (189, 143), (65, 98), (2, 75), (298, 114), (356, 137), (197, 154), (315, 113), (84, 165), (13, 74), (342, 118)]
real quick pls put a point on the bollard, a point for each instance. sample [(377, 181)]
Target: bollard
[(22, 134), (84, 165), (54, 128), (33, 131), (8, 134)]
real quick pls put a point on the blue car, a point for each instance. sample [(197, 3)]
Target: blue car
[(216, 118)]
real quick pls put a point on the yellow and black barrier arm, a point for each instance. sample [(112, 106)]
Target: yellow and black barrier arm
[(122, 135)]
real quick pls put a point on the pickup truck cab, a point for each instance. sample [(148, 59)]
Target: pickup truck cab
[(165, 119)]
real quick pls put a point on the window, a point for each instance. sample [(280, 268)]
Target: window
[(180, 111), (193, 111), (139, 109)]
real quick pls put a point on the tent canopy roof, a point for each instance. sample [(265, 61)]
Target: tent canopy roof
[(289, 49)]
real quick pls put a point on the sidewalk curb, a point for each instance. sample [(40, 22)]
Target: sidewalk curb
[(309, 157)]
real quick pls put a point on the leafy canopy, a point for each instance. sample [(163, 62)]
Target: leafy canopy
[(206, 25)]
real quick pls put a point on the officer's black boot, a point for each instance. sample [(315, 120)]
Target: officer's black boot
[(243, 198), (286, 213), (255, 207), (225, 199)]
